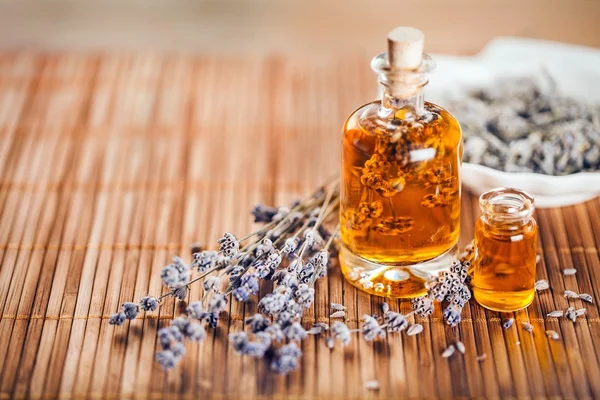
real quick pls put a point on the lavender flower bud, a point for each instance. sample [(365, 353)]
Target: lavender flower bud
[(182, 269), (238, 340), (295, 266), (254, 349), (456, 266), (263, 271), (464, 293), (117, 319), (284, 365), (196, 310), (320, 261), (180, 323), (180, 292), (340, 332), (273, 261), (286, 359), (222, 261), (212, 283), (275, 332), (371, 328), (278, 275), (439, 291), (291, 350), (264, 248), (307, 272), (195, 332), (229, 245), (166, 359), (396, 322), (258, 323), (443, 276), (288, 280), (130, 310), (264, 338), (149, 303), (294, 308), (170, 275), (217, 303), (290, 245), (317, 243), (212, 319), (251, 282), (456, 300), (272, 303), (285, 291), (180, 265), (178, 350), (452, 315), (285, 319), (175, 333), (168, 335), (246, 259), (236, 272), (263, 213), (310, 237), (423, 306), (204, 260), (295, 332), (241, 293), (304, 295), (282, 212)]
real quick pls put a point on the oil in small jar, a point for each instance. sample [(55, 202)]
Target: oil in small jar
[(505, 250), (400, 182)]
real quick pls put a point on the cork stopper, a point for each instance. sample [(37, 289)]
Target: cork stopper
[(405, 47)]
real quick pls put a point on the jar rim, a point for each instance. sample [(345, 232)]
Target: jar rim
[(507, 204)]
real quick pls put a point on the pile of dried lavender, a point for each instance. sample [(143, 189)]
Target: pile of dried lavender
[(292, 250), (516, 126)]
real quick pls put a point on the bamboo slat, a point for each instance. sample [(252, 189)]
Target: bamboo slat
[(110, 164)]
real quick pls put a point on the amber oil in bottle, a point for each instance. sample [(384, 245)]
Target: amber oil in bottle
[(505, 250)]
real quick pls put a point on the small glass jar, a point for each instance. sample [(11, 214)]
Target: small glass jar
[(505, 250)]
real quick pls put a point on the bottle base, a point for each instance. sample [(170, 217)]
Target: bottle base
[(501, 301), (393, 280)]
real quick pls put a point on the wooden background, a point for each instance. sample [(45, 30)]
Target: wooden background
[(310, 27), (111, 164)]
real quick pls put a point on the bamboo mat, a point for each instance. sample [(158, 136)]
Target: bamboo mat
[(111, 164)]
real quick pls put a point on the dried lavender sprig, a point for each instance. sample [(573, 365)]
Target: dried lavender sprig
[(242, 258), (236, 281), (260, 231)]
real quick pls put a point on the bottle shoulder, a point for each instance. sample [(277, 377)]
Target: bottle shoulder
[(372, 119)]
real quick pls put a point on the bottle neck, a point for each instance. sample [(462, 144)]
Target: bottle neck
[(397, 97), (400, 87)]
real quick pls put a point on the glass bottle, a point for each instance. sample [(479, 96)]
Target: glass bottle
[(400, 181), (505, 250)]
